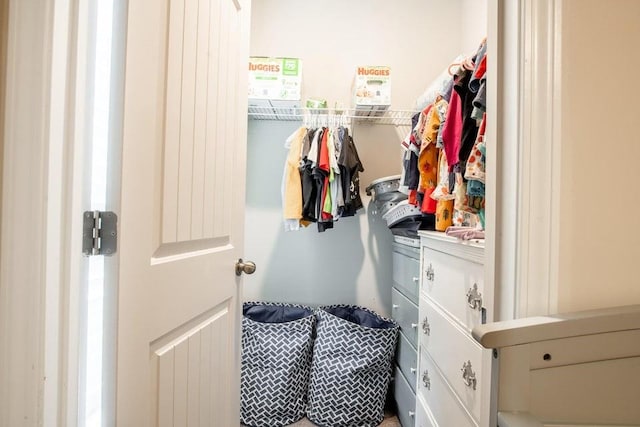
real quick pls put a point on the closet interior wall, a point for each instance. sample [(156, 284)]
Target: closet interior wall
[(599, 237), (4, 25), (350, 263)]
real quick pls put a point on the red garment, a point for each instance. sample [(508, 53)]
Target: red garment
[(323, 164), (428, 204), (323, 161), (452, 130), (413, 197), (483, 125), (482, 68)]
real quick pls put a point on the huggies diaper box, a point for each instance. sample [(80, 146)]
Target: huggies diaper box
[(372, 90), (274, 83)]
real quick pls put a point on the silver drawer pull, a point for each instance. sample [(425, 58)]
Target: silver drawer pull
[(426, 328), (412, 414), (416, 279), (413, 370), (395, 306), (468, 376), (474, 298), (426, 381), (430, 273), (414, 326)]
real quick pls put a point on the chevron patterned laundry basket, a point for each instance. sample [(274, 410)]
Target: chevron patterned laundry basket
[(351, 367), (277, 340)]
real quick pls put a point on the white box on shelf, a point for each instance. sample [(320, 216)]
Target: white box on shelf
[(275, 86), (372, 90), (275, 78)]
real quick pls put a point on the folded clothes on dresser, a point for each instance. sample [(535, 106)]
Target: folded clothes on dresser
[(465, 233)]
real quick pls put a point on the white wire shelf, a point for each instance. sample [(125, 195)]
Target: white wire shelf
[(328, 115)]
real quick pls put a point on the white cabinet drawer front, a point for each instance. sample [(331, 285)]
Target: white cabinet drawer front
[(446, 409), (456, 284), (407, 359), (423, 416), (406, 275), (455, 353), (405, 400), (406, 314)]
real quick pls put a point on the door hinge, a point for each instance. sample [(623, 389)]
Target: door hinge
[(99, 233)]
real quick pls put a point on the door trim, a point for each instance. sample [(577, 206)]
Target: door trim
[(523, 189), (34, 235), (539, 159), (503, 102), (503, 121)]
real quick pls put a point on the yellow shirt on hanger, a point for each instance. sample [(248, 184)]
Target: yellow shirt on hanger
[(292, 205)]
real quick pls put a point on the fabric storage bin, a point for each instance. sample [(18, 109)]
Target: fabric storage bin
[(277, 340), (351, 367)]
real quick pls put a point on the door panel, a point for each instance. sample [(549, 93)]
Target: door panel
[(200, 107), (190, 368), (182, 213)]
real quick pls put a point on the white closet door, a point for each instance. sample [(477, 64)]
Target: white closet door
[(183, 166)]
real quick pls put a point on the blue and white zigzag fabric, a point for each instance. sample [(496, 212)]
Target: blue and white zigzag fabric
[(351, 367), (276, 355)]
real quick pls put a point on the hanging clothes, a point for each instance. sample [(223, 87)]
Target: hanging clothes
[(321, 180), (452, 130), (350, 168), (476, 164), (309, 187), (291, 182), (469, 124), (429, 153), (325, 220), (480, 100), (335, 188), (444, 158)]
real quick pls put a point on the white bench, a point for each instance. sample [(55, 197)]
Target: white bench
[(574, 369)]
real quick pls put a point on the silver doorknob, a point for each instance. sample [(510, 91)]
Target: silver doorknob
[(248, 267)]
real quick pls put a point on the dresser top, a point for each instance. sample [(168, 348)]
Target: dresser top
[(442, 237)]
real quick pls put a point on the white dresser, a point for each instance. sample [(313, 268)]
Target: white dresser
[(454, 371)]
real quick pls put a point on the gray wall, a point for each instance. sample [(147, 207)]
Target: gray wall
[(347, 264), (350, 263)]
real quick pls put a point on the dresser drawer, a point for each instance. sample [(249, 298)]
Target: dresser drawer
[(423, 415), (441, 402), (456, 284), (405, 400), (406, 272), (406, 314), (455, 353), (407, 359)]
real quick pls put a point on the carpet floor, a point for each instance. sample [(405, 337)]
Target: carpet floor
[(389, 421)]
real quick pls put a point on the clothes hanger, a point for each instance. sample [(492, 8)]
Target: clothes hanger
[(467, 64), (454, 64)]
